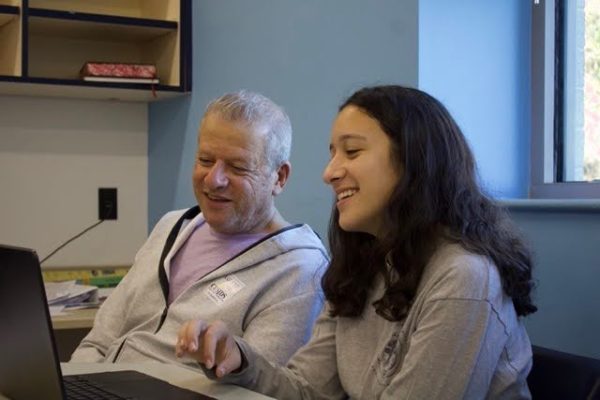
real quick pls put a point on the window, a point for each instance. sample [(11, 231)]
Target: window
[(565, 108)]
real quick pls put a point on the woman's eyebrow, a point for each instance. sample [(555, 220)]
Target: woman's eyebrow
[(348, 136), (345, 137)]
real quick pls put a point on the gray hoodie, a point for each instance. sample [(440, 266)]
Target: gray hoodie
[(268, 294), (461, 339)]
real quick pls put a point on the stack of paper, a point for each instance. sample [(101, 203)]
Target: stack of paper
[(70, 294)]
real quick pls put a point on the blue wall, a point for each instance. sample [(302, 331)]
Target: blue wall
[(567, 270), (307, 56), (474, 57)]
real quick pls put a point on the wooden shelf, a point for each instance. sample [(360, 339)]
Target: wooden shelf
[(10, 39), (96, 27), (18, 86), (44, 45), (167, 10), (8, 13)]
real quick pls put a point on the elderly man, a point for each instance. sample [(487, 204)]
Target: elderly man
[(237, 260)]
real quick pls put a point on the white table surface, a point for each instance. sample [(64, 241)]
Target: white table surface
[(176, 375)]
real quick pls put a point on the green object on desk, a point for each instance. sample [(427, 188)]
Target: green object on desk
[(100, 277), (105, 281)]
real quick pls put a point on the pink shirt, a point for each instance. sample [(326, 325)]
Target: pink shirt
[(204, 251)]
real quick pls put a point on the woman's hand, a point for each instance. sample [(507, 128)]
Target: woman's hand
[(209, 344)]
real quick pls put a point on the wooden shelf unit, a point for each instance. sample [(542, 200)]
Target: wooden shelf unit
[(8, 13), (44, 44), (10, 38)]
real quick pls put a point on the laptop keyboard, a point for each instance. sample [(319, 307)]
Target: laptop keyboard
[(79, 388)]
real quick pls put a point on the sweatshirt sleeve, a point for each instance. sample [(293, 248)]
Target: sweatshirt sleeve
[(282, 328), (108, 324), (310, 374), (289, 307), (114, 314)]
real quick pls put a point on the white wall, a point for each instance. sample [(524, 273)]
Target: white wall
[(54, 155)]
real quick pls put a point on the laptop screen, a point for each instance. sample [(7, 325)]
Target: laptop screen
[(29, 367)]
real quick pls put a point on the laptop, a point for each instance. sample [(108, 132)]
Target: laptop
[(29, 366)]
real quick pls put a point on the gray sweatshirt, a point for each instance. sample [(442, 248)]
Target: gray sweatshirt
[(269, 295), (461, 340)]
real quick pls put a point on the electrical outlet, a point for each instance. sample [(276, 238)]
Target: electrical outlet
[(107, 203)]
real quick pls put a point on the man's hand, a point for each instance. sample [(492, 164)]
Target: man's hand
[(209, 344)]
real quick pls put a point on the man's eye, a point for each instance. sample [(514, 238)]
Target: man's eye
[(352, 152), (239, 168), (204, 161)]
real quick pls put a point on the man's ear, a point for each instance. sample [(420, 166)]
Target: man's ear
[(283, 173)]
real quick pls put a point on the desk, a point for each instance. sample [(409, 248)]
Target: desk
[(174, 374), (70, 328), (75, 319)]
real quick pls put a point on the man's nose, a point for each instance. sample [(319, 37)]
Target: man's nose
[(217, 176)]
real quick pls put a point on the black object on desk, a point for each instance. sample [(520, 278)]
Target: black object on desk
[(29, 367)]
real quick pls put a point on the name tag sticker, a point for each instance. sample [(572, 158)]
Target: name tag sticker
[(223, 289)]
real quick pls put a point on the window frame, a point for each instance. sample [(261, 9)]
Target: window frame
[(544, 132)]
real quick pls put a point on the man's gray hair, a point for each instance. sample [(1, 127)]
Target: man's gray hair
[(259, 112)]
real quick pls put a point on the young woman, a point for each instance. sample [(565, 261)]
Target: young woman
[(427, 281)]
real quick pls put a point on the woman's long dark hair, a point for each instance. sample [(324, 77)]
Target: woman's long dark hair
[(438, 197)]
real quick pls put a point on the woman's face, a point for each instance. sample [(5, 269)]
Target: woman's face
[(361, 171)]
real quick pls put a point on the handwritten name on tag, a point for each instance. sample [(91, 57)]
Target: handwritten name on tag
[(223, 289)]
